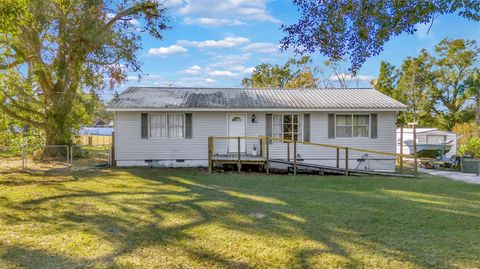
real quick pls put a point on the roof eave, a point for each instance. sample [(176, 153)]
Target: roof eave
[(346, 109)]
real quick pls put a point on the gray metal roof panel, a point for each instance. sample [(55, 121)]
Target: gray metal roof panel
[(243, 98)]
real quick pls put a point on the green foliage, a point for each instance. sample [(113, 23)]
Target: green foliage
[(473, 89), (293, 74), (16, 134), (465, 131), (472, 147), (54, 53), (433, 86), (358, 29)]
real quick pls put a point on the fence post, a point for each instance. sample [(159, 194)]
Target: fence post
[(24, 161), (239, 161), (346, 162), (71, 154), (338, 157), (210, 154), (267, 152), (68, 155), (295, 157)]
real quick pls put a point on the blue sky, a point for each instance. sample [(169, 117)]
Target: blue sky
[(215, 43)]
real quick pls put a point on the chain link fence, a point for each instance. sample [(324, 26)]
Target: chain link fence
[(84, 157), (53, 157)]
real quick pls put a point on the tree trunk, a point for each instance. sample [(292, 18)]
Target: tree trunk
[(57, 128)]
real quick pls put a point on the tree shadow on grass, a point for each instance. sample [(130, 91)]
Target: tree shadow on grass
[(333, 212)]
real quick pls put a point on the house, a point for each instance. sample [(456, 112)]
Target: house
[(157, 126), (426, 136)]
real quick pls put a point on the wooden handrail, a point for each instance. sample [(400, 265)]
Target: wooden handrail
[(317, 144), (236, 137)]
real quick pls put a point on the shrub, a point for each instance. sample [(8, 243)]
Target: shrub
[(465, 132), (472, 147)]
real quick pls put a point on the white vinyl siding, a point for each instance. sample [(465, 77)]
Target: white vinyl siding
[(130, 148)]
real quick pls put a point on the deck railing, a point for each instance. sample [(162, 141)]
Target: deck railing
[(402, 161)]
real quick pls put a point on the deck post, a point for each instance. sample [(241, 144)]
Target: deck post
[(346, 162), (239, 161), (210, 154), (288, 151), (267, 154), (261, 146), (401, 148), (415, 161), (338, 157), (295, 157)]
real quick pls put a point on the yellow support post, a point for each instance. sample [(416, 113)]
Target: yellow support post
[(210, 154), (415, 161), (346, 162), (239, 161), (295, 157), (288, 151), (401, 148), (338, 157), (267, 153)]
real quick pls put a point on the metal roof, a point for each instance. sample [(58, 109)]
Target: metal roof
[(171, 98)]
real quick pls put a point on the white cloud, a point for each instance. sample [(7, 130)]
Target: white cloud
[(195, 81), (222, 73), (261, 47), (192, 70), (164, 51), (230, 60), (254, 10), (243, 70), (232, 72), (350, 77), (211, 21), (224, 43)]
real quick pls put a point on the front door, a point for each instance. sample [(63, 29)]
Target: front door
[(236, 127)]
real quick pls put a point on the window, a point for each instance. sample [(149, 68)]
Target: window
[(436, 139), (288, 126), (352, 125), (167, 125)]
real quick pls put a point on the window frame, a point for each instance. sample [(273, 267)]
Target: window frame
[(353, 125), (300, 123), (167, 126)]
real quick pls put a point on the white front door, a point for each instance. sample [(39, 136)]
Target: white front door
[(237, 124)]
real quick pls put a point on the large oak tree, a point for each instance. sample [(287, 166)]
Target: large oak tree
[(53, 51)]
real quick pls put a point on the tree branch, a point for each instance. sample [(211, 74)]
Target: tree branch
[(129, 11), (14, 103), (21, 118)]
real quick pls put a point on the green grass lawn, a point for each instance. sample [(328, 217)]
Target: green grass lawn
[(144, 218)]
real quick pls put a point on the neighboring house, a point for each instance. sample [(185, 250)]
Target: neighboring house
[(170, 126), (427, 136)]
